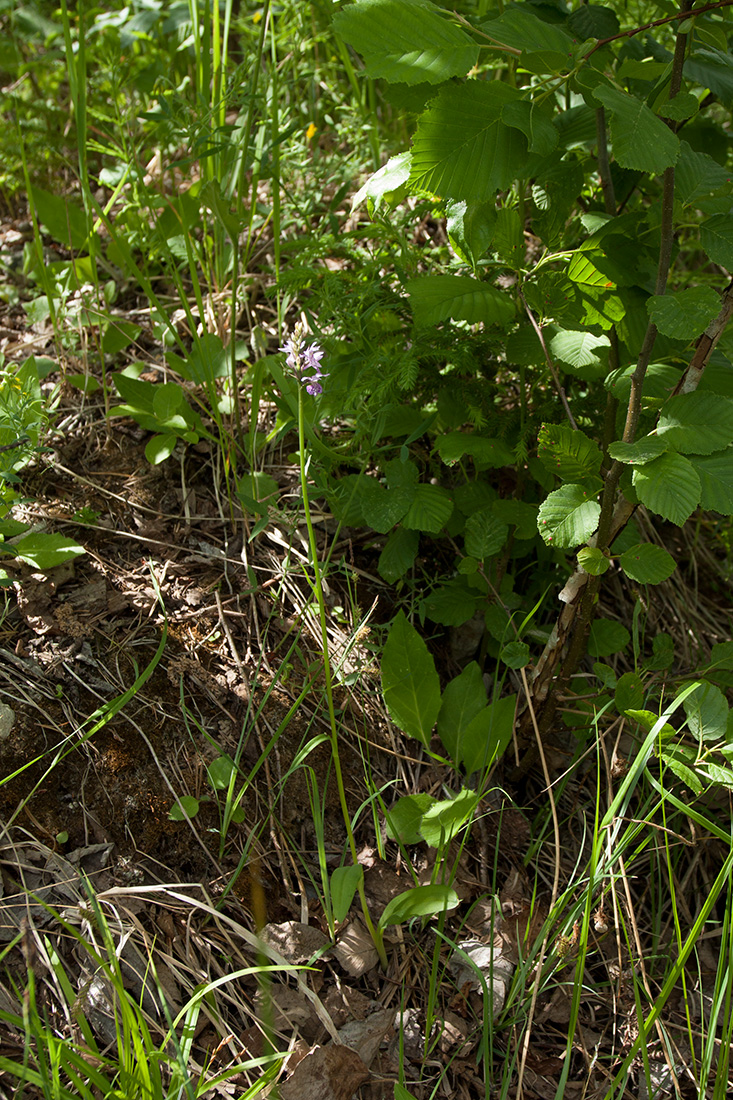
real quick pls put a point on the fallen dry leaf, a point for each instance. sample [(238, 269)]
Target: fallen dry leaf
[(332, 1072)]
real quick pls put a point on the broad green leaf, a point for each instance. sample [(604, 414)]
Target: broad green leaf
[(409, 681), (593, 560), (118, 335), (485, 535), (207, 360), (445, 819), (629, 692), (521, 29), (593, 21), (420, 901), (437, 298), (463, 698), (717, 240), (185, 805), (567, 517), (638, 454), (647, 719), (647, 564), (160, 447), (167, 399), (344, 884), (388, 185), (697, 423), (679, 767), (398, 554), (487, 736), (669, 486), (508, 240), (518, 514), (515, 654), (662, 653), (605, 674), (707, 712), (406, 41), (401, 1093), (684, 314), (720, 775), (462, 150), (450, 605), (567, 452), (402, 821), (711, 68), (45, 551), (640, 140), (697, 174), (138, 394), (606, 637), (430, 510), (581, 349), (722, 656), (716, 480), (680, 108), (383, 508), (401, 475), (470, 228), (63, 218), (486, 453), (535, 122)]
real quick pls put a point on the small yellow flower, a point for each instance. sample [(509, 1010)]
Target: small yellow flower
[(312, 129)]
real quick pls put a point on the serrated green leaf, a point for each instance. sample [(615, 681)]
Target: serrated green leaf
[(470, 228), (593, 561), (697, 423), (716, 480), (462, 150), (640, 140), (567, 452), (593, 21), (508, 239), (581, 349), (647, 564), (567, 517), (518, 514), (398, 554), (485, 535), (717, 239), (410, 684), (382, 508), (406, 41), (523, 30), (669, 487), (696, 175), (535, 122), (682, 107), (437, 298), (684, 314), (430, 510), (638, 454)]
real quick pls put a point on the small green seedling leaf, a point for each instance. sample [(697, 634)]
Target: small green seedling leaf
[(606, 637), (220, 772), (629, 692), (593, 560), (344, 884), (420, 901), (515, 654), (184, 806)]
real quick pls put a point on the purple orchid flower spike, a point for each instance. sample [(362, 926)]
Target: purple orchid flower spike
[(305, 362)]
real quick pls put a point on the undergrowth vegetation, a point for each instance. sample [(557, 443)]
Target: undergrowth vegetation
[(425, 313)]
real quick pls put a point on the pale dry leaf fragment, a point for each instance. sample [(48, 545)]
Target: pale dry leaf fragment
[(295, 941), (332, 1072), (7, 721), (365, 1036), (290, 1011), (454, 1032), (345, 1004), (355, 950), (476, 960)]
